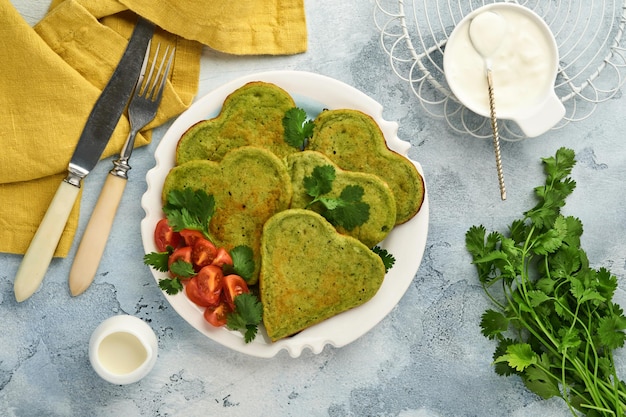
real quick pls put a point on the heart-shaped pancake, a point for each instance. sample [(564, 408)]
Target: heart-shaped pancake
[(353, 140), (249, 186), (376, 194), (310, 272), (250, 115)]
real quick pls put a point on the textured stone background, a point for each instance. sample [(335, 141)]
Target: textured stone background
[(425, 359)]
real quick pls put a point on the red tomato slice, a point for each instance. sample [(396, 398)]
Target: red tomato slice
[(194, 294), (217, 316), (234, 285), (210, 282), (183, 254), (203, 252), (222, 257), (165, 236), (190, 236)]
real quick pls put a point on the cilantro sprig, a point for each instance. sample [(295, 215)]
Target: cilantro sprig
[(159, 261), (298, 128), (247, 315), (243, 262), (387, 258), (189, 209), (553, 319), (347, 210)]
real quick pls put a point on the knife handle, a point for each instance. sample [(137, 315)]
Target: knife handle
[(96, 234), (41, 250)]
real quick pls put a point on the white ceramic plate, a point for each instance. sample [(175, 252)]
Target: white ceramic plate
[(406, 242)]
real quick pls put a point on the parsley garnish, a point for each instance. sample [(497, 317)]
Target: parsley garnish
[(553, 318), (298, 130), (347, 210), (189, 209), (388, 259), (246, 316)]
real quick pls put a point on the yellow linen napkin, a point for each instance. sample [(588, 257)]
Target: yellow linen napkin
[(52, 75), (237, 27)]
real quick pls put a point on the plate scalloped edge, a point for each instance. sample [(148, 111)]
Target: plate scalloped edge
[(406, 242)]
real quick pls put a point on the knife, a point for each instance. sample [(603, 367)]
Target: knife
[(94, 138)]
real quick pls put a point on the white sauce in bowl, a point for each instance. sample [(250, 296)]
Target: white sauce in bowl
[(122, 353), (524, 66)]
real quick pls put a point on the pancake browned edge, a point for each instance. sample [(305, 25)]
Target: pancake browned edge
[(353, 140), (376, 194), (250, 115), (249, 186), (310, 273)]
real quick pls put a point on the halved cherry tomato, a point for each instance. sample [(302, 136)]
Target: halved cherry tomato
[(194, 294), (203, 252), (210, 282), (217, 316), (165, 236), (222, 257), (234, 285), (190, 236), (183, 254)]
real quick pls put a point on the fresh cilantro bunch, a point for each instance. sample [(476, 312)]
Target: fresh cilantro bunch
[(554, 320), (347, 210), (298, 128)]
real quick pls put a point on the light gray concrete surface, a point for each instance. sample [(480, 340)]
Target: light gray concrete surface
[(427, 358)]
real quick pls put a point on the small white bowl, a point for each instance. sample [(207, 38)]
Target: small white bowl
[(123, 349), (524, 70)]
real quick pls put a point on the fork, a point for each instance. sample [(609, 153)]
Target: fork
[(141, 110)]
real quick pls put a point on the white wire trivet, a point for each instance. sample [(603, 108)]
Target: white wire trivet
[(592, 65)]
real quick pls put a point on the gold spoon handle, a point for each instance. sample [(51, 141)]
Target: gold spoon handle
[(496, 135)]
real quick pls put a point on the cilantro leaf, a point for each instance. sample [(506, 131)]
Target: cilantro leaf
[(502, 367), (243, 262), (189, 209), (320, 181), (519, 356), (558, 186), (387, 258), (171, 286), (297, 128), (347, 210), (541, 382), (558, 167), (182, 269), (493, 324), (246, 316), (611, 331), (157, 260)]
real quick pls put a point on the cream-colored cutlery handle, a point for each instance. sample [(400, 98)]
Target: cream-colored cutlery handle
[(41, 250), (96, 235)]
